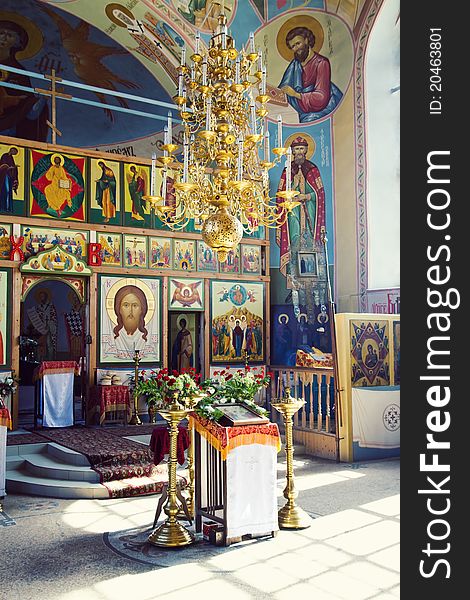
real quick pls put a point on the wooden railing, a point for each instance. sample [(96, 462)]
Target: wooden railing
[(317, 417)]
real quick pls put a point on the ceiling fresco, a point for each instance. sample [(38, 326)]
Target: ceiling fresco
[(134, 47)]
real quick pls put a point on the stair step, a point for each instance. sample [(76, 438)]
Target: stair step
[(19, 449), (18, 480), (46, 466), (67, 456)]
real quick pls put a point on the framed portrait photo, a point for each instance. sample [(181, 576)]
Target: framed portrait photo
[(308, 264)]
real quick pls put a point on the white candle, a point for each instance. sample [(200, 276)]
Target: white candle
[(208, 114), (260, 60), (198, 42), (180, 84), (288, 169), (279, 131), (185, 159), (263, 81), (183, 56), (267, 147), (152, 178), (164, 185), (237, 70), (252, 43), (191, 148), (193, 73), (240, 159), (253, 116), (204, 71), (224, 37), (170, 130)]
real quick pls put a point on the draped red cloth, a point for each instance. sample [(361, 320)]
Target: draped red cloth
[(50, 367), (160, 443), (5, 417), (108, 398)]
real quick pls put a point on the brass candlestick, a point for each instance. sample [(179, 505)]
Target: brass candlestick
[(135, 419), (191, 469), (171, 533), (290, 515)]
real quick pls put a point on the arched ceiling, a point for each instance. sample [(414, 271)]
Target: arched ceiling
[(134, 46)]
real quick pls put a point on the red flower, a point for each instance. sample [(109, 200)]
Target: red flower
[(270, 374), (175, 373), (229, 376), (171, 381)]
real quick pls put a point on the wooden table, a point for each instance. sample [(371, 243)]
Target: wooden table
[(109, 404)]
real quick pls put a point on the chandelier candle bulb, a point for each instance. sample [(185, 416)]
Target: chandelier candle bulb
[(183, 56), (164, 185), (279, 131), (208, 114), (152, 175), (263, 82), (260, 60), (185, 159), (193, 73), (198, 42), (180, 84), (267, 147), (170, 128), (204, 71), (240, 159), (252, 43), (237, 70), (288, 169), (253, 116)]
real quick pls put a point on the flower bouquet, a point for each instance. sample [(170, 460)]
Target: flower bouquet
[(226, 387), (163, 387)]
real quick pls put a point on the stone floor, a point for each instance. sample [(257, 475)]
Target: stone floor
[(98, 550)]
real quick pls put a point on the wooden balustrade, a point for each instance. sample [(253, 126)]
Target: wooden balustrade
[(314, 423)]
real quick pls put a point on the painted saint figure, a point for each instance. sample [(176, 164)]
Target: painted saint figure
[(23, 114), (182, 351), (307, 80), (8, 179), (137, 191), (106, 192), (130, 306), (371, 358), (43, 317), (58, 191), (309, 217)]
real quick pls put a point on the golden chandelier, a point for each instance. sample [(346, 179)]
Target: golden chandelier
[(222, 180)]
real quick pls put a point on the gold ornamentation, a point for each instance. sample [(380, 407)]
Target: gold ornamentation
[(290, 515), (226, 151)]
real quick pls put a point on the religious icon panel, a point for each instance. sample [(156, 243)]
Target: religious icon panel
[(136, 187), (183, 341), (206, 257), (57, 186), (5, 244), (237, 321), (12, 179), (130, 319), (135, 251), (111, 248), (4, 317), (38, 239), (105, 191), (186, 294), (251, 260), (370, 356), (232, 264), (184, 255), (160, 253)]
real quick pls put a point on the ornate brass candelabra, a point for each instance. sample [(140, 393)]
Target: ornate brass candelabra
[(171, 533), (223, 179), (135, 419), (290, 515)]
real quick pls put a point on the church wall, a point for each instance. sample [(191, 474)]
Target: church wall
[(137, 252)]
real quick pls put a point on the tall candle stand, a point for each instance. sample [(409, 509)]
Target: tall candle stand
[(135, 419), (290, 515), (171, 533)]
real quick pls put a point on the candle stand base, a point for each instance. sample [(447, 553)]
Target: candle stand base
[(293, 517), (171, 535)]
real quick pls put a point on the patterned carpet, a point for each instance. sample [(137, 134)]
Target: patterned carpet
[(125, 467)]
